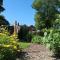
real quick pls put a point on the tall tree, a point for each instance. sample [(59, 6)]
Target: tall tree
[(3, 21), (22, 35), (1, 6), (46, 11)]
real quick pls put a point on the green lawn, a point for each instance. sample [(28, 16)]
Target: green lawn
[(24, 45)]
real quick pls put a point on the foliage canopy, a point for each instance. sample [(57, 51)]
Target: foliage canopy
[(46, 11)]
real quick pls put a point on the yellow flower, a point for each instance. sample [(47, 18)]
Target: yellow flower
[(14, 41), (15, 47), (6, 45)]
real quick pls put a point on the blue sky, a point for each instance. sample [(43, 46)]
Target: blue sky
[(19, 10)]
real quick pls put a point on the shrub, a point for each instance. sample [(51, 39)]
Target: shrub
[(22, 34), (37, 39), (29, 37), (52, 40), (7, 54), (8, 46)]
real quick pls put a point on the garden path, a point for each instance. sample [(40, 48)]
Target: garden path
[(36, 52)]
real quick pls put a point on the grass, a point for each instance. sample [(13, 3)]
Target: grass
[(24, 45)]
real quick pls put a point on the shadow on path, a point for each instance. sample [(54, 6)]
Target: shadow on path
[(22, 56), (57, 57)]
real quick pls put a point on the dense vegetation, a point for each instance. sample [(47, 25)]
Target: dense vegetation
[(1, 6), (24, 34), (3, 21), (46, 30), (9, 46), (51, 39), (46, 11), (47, 20)]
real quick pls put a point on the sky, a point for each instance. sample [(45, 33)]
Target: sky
[(19, 10)]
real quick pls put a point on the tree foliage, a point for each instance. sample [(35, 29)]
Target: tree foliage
[(46, 11), (3, 21), (22, 35), (1, 6), (25, 34)]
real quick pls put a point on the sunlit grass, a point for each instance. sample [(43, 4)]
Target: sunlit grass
[(24, 45)]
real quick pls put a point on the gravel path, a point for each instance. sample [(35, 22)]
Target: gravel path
[(36, 52), (39, 52)]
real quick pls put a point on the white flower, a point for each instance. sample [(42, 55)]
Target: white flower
[(45, 33)]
